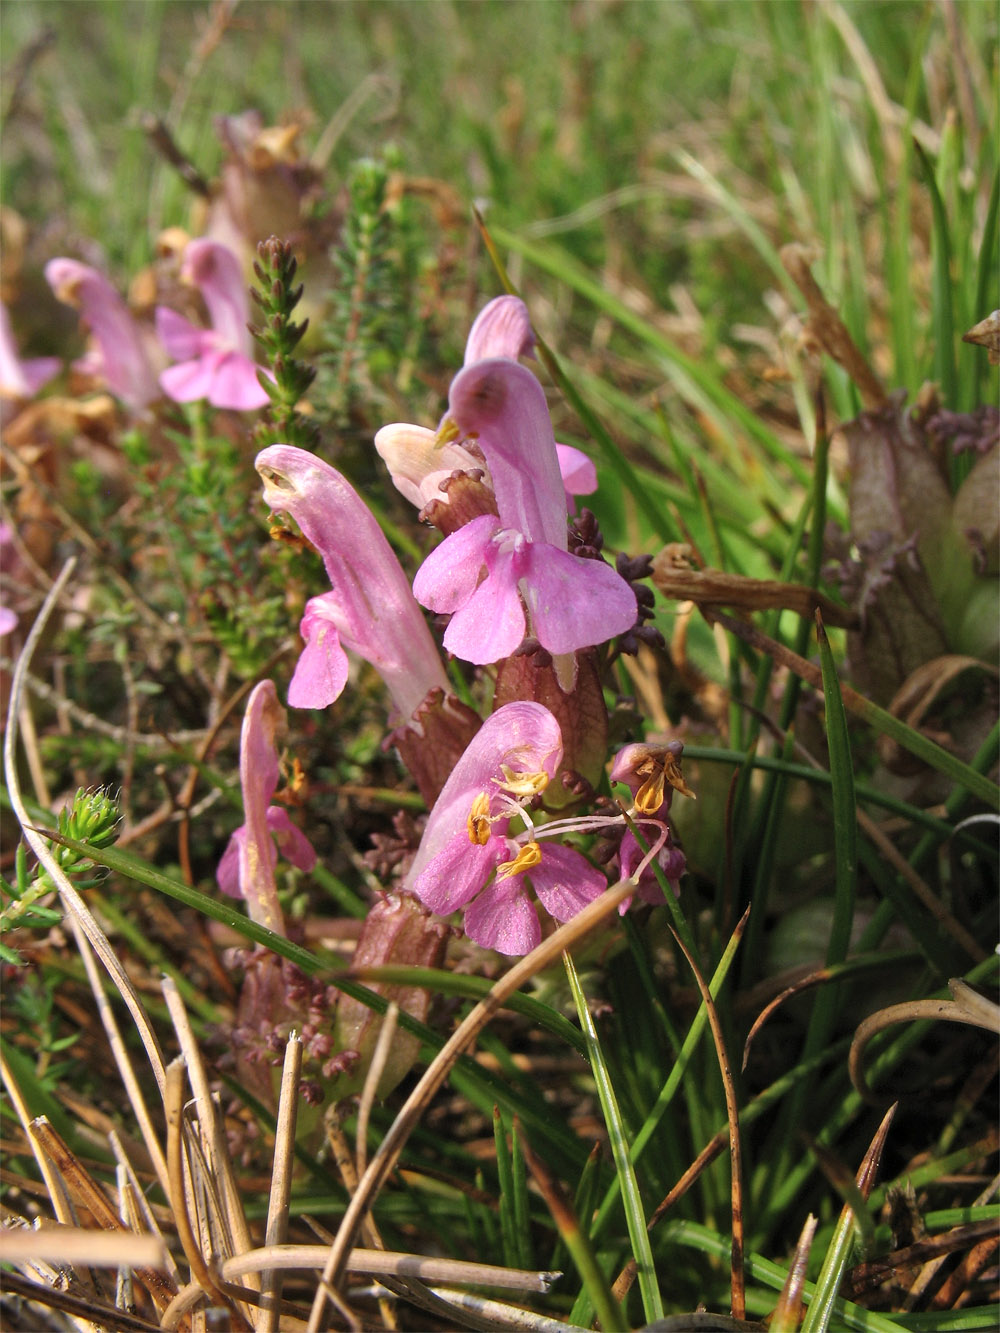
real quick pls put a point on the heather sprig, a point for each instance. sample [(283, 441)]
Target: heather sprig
[(276, 298)]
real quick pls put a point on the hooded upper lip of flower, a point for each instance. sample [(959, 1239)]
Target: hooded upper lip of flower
[(215, 363), (124, 363), (371, 608), (417, 459)]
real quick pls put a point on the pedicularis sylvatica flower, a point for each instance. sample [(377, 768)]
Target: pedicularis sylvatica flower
[(122, 357), (217, 363), (468, 857), (511, 575)]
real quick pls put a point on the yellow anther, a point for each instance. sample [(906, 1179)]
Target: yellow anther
[(448, 432), (521, 784), (529, 855), (478, 822), (649, 797)]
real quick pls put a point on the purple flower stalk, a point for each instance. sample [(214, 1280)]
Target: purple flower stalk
[(215, 364), (370, 610), (532, 585), (121, 360), (246, 869), (467, 857)]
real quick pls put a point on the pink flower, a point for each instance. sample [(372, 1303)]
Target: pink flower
[(214, 364), (246, 869), (467, 857), (501, 578), (371, 610), (21, 379), (121, 359)]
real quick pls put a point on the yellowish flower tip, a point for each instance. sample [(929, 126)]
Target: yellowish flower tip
[(529, 855), (478, 822), (448, 432), (656, 772), (519, 784), (649, 797)]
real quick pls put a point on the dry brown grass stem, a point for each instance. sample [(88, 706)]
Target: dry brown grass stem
[(122, 1059), (174, 1107), (150, 740), (230, 1215), (966, 1006), (53, 1183), (87, 1195), (82, 1245), (372, 1079), (562, 939), (276, 1228), (829, 329), (674, 577)]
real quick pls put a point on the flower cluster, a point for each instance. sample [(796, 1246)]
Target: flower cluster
[(493, 478), (213, 364)]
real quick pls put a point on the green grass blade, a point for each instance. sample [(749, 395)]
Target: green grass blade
[(509, 1240), (477, 988), (629, 1186), (824, 1295), (696, 378), (942, 295), (845, 817)]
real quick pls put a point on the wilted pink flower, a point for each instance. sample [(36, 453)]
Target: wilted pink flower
[(21, 379), (652, 774), (122, 360), (217, 363), (370, 610), (246, 869), (468, 859), (532, 584)]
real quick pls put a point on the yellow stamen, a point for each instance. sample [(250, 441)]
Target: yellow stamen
[(649, 797), (521, 784), (448, 432), (529, 855), (478, 822)]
